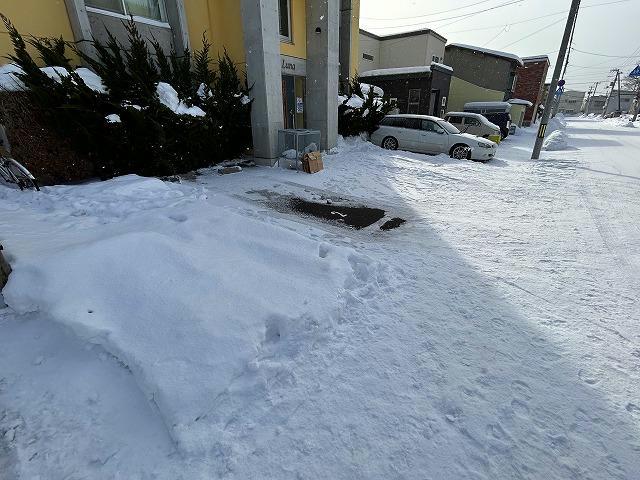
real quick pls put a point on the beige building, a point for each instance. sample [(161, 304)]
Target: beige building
[(411, 49)]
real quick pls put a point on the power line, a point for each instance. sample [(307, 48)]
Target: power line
[(603, 55), (534, 33), (506, 4), (426, 14), (537, 18)]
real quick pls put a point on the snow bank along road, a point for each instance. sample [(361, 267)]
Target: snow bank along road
[(185, 331)]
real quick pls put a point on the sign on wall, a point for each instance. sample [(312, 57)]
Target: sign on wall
[(293, 66), (299, 105)]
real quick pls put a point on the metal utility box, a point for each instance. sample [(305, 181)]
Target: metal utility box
[(293, 143)]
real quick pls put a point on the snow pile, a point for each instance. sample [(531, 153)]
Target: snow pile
[(205, 315), (104, 202), (556, 123), (169, 97), (621, 121), (557, 140)]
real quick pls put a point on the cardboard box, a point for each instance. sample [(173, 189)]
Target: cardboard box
[(312, 162)]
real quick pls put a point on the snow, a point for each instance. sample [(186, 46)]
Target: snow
[(366, 88), (557, 140), (169, 98), (91, 80), (556, 123), (189, 330), (395, 71), (8, 80), (536, 58), (113, 118), (487, 51), (443, 66), (520, 101)]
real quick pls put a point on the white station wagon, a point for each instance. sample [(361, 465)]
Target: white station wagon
[(432, 135)]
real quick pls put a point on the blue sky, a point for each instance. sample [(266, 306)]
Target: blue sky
[(603, 30)]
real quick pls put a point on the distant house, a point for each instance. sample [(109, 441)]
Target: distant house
[(530, 84), (412, 49), (420, 90), (571, 102), (480, 74)]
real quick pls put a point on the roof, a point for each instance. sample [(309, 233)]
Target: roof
[(494, 53), (413, 115), (520, 101), (538, 58), (396, 71), (483, 105), (415, 33)]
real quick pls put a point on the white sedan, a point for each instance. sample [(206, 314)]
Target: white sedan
[(432, 135)]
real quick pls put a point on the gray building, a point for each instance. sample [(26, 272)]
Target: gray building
[(487, 74), (571, 102)]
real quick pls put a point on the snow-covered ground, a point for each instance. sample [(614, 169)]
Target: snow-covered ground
[(193, 331)]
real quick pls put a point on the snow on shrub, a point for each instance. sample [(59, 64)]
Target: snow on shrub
[(362, 111)]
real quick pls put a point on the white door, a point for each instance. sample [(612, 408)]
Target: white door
[(433, 138)]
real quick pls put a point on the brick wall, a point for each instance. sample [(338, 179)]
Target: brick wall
[(531, 79)]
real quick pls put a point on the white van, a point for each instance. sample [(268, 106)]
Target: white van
[(473, 123)]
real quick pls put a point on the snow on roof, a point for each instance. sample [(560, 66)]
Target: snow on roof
[(520, 101), (396, 71), (487, 51), (442, 65), (535, 58)]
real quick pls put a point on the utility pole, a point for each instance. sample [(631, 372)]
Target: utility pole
[(571, 19), (613, 84), (619, 93), (585, 105), (595, 90)]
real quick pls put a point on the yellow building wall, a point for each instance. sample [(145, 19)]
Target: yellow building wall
[(221, 21), (41, 18), (298, 46), (461, 92)]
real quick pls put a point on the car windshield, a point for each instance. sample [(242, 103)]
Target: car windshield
[(448, 127)]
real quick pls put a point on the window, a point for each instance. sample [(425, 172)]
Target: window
[(284, 7), (414, 100), (455, 119), (366, 56), (430, 126), (153, 9), (472, 122)]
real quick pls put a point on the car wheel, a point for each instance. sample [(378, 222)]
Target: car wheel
[(460, 152), (390, 143)]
